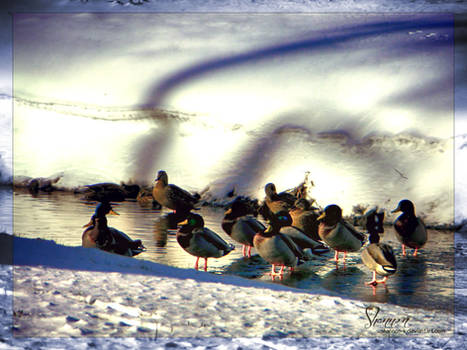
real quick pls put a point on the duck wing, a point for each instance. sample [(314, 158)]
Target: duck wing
[(176, 193), (360, 236), (123, 244), (213, 238), (382, 254), (243, 229), (304, 241), (299, 237), (287, 198), (105, 192), (307, 222), (254, 224), (298, 252), (405, 225)]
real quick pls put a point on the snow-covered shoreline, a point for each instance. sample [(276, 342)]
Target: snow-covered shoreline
[(74, 292), (74, 297)]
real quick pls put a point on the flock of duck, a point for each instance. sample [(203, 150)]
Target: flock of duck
[(295, 230)]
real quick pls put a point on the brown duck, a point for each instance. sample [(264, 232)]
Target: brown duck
[(172, 196)]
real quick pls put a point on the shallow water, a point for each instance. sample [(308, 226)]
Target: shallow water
[(426, 281)]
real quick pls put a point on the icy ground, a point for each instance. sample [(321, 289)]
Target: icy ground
[(72, 297)]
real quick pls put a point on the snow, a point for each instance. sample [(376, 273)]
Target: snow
[(63, 292)]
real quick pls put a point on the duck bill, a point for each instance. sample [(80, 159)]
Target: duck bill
[(228, 211), (183, 223), (396, 210), (113, 212), (321, 217)]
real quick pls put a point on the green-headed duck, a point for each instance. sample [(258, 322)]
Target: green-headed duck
[(200, 241), (277, 248), (410, 230), (338, 234), (99, 235)]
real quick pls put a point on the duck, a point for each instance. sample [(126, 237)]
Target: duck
[(374, 223), (299, 237), (103, 192), (277, 248), (98, 235), (37, 184), (145, 198), (275, 202), (200, 241), (410, 229), (305, 218), (338, 234), (172, 196), (379, 258), (240, 225)]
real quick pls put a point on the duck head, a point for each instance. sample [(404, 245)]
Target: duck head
[(276, 222), (270, 190), (102, 209), (237, 208), (332, 215), (162, 177), (193, 221), (282, 219), (405, 206)]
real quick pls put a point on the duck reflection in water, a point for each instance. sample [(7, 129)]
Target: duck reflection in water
[(164, 224), (342, 281), (411, 276)]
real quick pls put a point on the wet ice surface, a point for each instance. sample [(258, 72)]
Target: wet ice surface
[(425, 281)]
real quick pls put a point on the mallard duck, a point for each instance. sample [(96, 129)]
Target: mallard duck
[(305, 218), (35, 185), (240, 225), (200, 241), (338, 234), (379, 258), (145, 198), (104, 192), (299, 237), (275, 202), (277, 248), (374, 223), (172, 196), (410, 230), (99, 235)]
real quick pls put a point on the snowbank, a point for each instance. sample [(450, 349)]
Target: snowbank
[(76, 292)]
